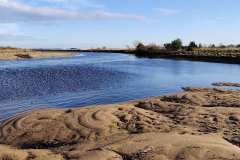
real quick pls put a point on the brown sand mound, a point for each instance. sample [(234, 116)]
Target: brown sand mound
[(195, 124), (8, 153), (17, 53)]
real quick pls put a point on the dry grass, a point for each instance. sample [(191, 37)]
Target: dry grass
[(13, 54)]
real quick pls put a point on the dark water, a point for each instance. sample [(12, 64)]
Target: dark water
[(99, 78)]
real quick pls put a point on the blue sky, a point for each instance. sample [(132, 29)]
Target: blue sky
[(116, 23)]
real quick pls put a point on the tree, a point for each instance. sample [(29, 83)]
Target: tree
[(222, 46), (168, 46), (231, 46), (153, 48), (212, 46), (140, 46), (192, 45), (176, 44)]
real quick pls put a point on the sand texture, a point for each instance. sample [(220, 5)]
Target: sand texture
[(16, 53), (196, 124)]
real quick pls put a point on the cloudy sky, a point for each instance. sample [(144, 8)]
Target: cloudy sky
[(116, 23)]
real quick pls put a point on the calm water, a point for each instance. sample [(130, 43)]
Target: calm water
[(99, 78)]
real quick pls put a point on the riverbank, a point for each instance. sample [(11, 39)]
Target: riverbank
[(17, 53), (202, 54), (196, 124)]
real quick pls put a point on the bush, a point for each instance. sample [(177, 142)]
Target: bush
[(177, 44), (140, 46), (168, 46), (212, 46), (192, 45), (153, 48), (222, 46), (174, 45), (146, 50)]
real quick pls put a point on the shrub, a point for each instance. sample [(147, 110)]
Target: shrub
[(192, 45), (222, 46), (177, 44), (174, 45), (140, 46), (212, 46)]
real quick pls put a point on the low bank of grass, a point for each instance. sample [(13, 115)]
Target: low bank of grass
[(16, 53)]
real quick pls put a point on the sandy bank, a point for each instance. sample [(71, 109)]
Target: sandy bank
[(14, 53), (196, 124)]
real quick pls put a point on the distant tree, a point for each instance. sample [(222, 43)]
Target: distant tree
[(177, 44), (174, 45), (192, 45), (200, 45), (212, 46), (168, 46), (222, 46), (140, 46), (153, 47), (238, 46), (231, 46)]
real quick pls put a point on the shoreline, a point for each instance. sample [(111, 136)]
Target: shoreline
[(18, 54), (202, 56), (215, 56), (201, 123)]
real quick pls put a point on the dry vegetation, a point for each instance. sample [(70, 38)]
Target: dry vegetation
[(176, 49), (197, 124), (224, 52), (17, 53)]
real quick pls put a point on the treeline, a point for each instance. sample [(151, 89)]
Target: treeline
[(176, 48), (177, 45)]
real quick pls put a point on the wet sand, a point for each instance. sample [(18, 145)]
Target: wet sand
[(196, 124)]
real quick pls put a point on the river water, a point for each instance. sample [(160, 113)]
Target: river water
[(99, 78)]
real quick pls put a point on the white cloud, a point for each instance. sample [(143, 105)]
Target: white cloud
[(15, 11), (167, 11)]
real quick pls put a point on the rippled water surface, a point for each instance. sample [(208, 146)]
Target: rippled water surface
[(99, 78)]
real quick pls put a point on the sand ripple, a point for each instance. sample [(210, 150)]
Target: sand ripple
[(195, 124)]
